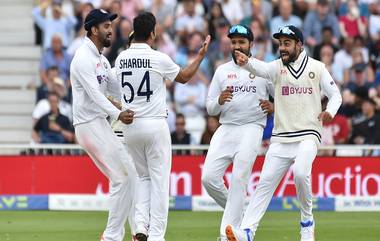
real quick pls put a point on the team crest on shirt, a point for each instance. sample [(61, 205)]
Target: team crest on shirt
[(251, 76), (311, 75)]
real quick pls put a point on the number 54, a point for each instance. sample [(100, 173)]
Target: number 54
[(145, 81)]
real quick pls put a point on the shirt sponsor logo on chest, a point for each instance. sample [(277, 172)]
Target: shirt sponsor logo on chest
[(242, 88), (290, 90)]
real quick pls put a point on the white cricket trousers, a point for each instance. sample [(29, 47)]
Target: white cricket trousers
[(110, 156), (231, 144), (149, 143), (279, 158)]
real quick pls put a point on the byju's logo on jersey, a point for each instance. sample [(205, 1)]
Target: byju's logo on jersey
[(289, 90), (242, 88), (101, 78)]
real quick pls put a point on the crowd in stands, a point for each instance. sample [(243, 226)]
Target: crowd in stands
[(343, 34)]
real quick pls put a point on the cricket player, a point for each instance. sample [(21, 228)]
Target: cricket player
[(92, 81), (142, 73), (298, 81), (236, 95)]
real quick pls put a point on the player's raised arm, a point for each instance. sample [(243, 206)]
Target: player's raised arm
[(186, 73), (257, 67)]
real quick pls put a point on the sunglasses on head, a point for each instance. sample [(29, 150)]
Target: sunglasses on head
[(238, 29)]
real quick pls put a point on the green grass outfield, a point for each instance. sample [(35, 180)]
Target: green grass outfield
[(185, 226)]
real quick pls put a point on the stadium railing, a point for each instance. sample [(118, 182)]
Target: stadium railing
[(74, 149)]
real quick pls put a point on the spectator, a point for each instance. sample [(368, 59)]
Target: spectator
[(84, 9), (340, 129), (185, 55), (43, 90), (81, 11), (221, 30), (367, 131), (130, 8), (164, 42), (233, 11), (212, 124), (180, 136), (327, 57), (43, 106), (221, 55), (116, 7), (190, 99), (262, 10), (262, 49), (358, 77), (215, 18), (374, 22), (53, 127), (55, 56), (120, 43), (358, 64), (285, 18), (316, 20), (374, 54), (59, 24), (164, 13), (352, 24), (189, 22), (327, 39), (343, 58)]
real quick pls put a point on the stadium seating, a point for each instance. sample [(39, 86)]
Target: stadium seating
[(19, 59)]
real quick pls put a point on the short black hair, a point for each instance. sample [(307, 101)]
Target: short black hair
[(327, 28), (89, 32), (179, 115), (143, 25)]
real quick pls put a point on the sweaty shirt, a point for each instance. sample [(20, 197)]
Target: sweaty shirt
[(246, 88), (91, 80), (142, 72)]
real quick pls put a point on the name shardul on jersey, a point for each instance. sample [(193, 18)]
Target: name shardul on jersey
[(134, 63)]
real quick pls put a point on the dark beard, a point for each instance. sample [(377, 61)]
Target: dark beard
[(106, 43), (233, 53), (292, 58)]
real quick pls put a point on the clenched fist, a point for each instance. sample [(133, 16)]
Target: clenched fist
[(225, 96), (126, 116)]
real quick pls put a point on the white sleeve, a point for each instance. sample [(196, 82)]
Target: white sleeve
[(212, 105), (332, 92), (169, 69), (42, 108), (87, 78), (262, 69), (114, 86)]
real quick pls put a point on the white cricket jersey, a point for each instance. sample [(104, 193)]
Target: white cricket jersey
[(297, 101), (142, 72), (91, 80), (247, 90)]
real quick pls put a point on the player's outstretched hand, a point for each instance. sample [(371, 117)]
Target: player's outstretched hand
[(241, 58), (225, 96), (205, 45), (325, 116), (266, 106), (126, 116)]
